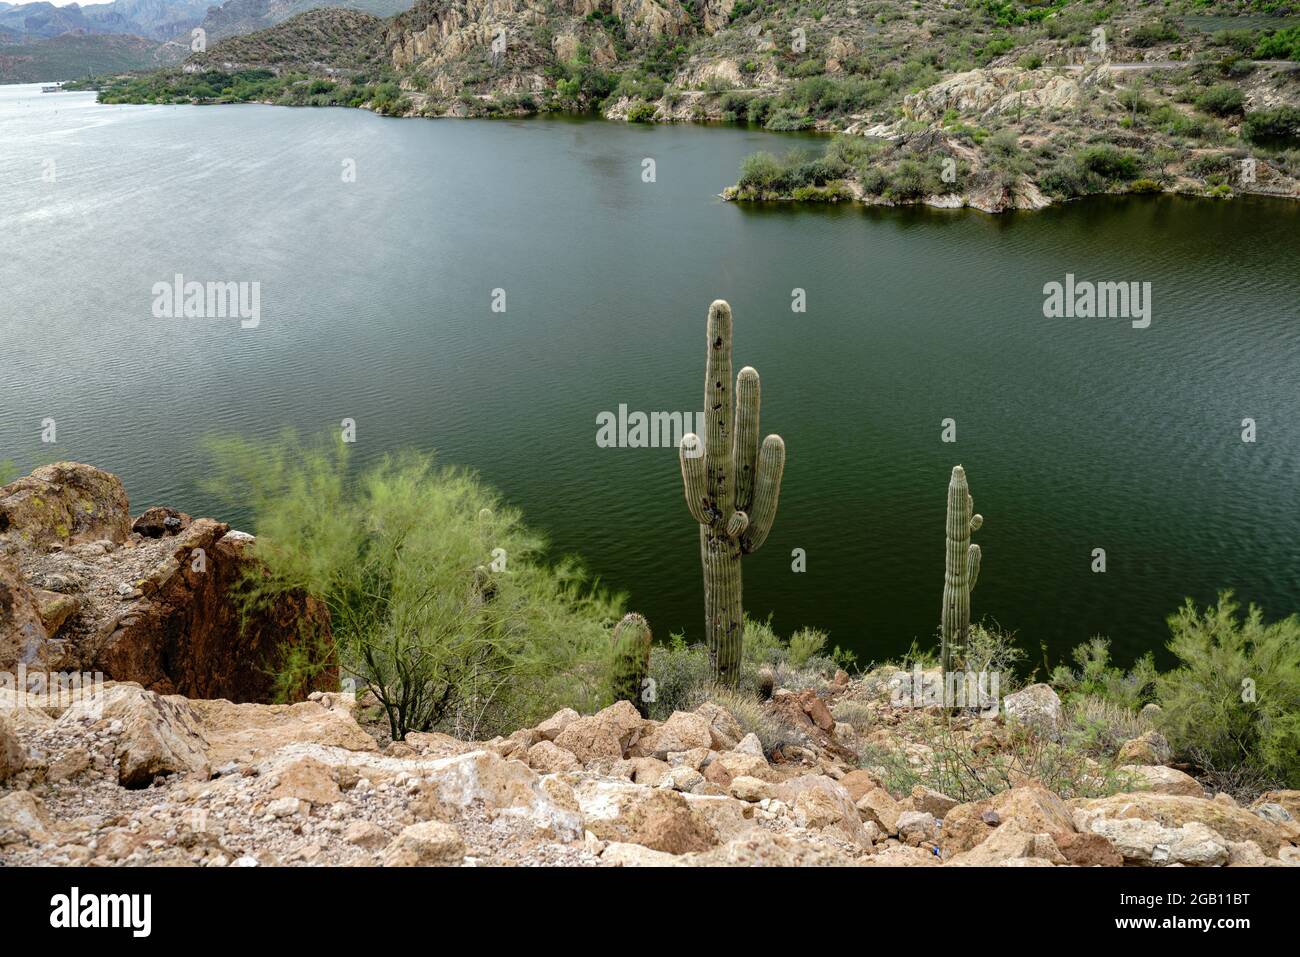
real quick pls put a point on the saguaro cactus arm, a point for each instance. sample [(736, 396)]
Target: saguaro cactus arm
[(744, 451), (767, 491), (972, 565), (691, 452)]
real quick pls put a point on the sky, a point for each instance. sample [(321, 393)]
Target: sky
[(61, 3)]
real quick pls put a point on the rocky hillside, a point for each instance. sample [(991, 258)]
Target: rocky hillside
[(239, 17), (84, 588), (992, 105)]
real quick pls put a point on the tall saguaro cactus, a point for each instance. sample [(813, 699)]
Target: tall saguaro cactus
[(732, 486), (962, 566)]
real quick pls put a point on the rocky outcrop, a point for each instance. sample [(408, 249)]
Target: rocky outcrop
[(62, 504), (82, 588), (987, 93)]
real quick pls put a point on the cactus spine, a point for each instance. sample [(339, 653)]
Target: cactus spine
[(732, 486), (962, 567), (631, 662)]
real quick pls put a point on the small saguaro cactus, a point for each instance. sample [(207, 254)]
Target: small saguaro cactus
[(732, 486), (631, 662), (962, 568)]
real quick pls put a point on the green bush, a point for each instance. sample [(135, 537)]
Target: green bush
[(1094, 676), (1281, 45), (1222, 100), (1234, 700), (440, 600), (805, 643), (1110, 162), (1280, 123)]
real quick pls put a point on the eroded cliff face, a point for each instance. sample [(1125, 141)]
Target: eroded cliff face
[(83, 589)]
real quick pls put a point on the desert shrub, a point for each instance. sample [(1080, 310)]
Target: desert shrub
[(1280, 123), (961, 770), (750, 713), (1222, 99), (1206, 165), (761, 171), (641, 112), (874, 180), (1233, 699), (1153, 33), (401, 555), (1280, 45), (679, 671), (805, 643), (1099, 724), (1095, 676), (1109, 162), (912, 180), (786, 120), (990, 650)]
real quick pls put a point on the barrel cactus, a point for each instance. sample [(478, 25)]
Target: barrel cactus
[(732, 486), (962, 568), (631, 661)]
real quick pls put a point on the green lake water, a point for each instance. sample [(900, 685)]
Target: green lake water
[(376, 305)]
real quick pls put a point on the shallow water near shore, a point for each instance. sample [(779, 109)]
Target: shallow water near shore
[(376, 304)]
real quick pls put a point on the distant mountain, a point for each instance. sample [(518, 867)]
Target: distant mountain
[(75, 55), (39, 41), (238, 17), (154, 19)]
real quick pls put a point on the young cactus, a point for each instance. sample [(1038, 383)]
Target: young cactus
[(962, 568), (631, 663), (732, 486)]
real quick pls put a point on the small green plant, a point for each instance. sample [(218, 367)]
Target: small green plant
[(1094, 675)]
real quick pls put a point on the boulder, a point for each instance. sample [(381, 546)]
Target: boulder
[(1172, 811), (64, 503), (366, 834), (1033, 808), (1087, 850), (724, 729), (1009, 843), (23, 638), (1149, 843), (506, 787), (762, 848), (917, 827), (552, 726), (659, 819), (683, 731), (159, 521), (1036, 706), (1160, 779), (751, 745), (925, 799), (1290, 800), (426, 844), (859, 783), (157, 735), (23, 820), (546, 758), (745, 788), (13, 756), (606, 734), (1149, 748), (820, 803), (879, 807), (308, 779), (245, 732), (620, 854)]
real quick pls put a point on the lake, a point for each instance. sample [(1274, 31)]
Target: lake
[(376, 304)]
